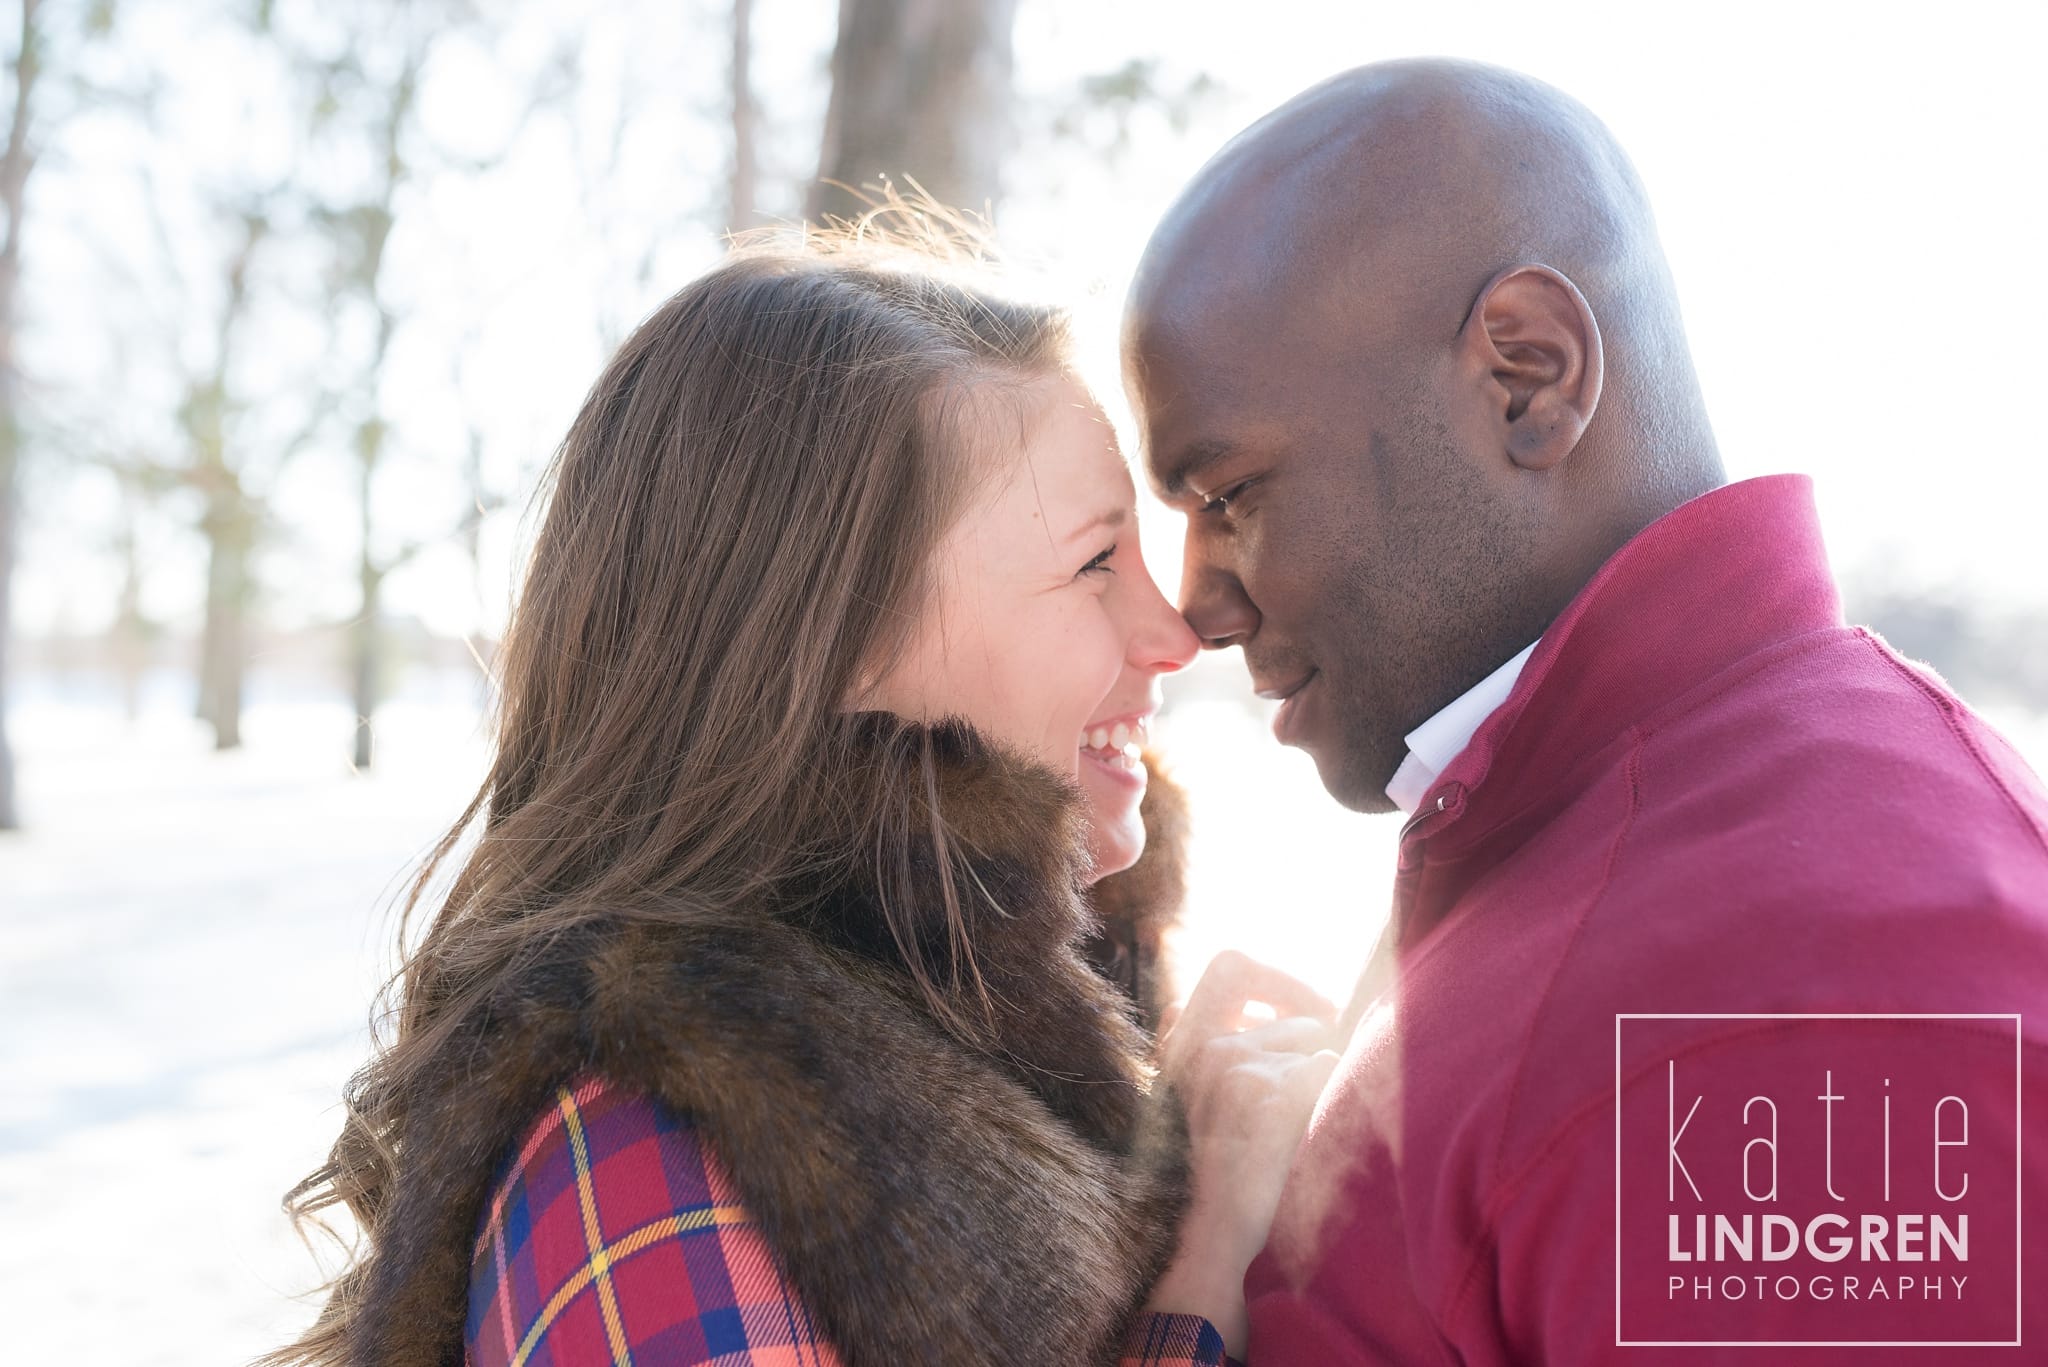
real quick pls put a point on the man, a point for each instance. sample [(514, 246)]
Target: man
[(1408, 357)]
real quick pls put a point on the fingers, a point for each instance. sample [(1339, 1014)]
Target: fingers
[(1288, 1054), (1314, 1073), (1233, 980), (1289, 1035), (1237, 1094)]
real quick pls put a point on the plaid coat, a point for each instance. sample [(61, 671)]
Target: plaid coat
[(614, 1236)]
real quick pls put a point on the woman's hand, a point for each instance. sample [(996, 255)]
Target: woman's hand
[(1248, 1089)]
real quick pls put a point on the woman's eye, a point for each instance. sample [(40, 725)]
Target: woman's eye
[(1100, 564)]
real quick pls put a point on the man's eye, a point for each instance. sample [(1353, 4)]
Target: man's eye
[(1220, 503), (1100, 564)]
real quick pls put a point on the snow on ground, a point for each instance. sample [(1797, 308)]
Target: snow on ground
[(189, 943)]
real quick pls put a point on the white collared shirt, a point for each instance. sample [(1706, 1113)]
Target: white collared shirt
[(1434, 744)]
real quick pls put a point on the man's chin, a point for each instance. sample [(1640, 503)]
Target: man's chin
[(1356, 783)]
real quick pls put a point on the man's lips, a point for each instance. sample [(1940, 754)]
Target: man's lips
[(1286, 725), (1282, 692)]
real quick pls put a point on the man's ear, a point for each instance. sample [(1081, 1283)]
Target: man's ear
[(1532, 334)]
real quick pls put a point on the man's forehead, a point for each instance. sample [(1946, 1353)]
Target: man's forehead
[(1199, 355), (1217, 270), (1195, 339), (1207, 306), (1184, 384)]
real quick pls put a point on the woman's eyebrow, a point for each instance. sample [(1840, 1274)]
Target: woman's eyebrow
[(1110, 517)]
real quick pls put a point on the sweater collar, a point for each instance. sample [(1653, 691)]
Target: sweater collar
[(1714, 581)]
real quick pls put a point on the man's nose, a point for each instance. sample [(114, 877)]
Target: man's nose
[(1215, 603)]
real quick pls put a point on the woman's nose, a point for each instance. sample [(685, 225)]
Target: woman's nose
[(1163, 641)]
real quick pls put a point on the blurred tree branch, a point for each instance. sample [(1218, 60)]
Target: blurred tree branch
[(1102, 112), (371, 89)]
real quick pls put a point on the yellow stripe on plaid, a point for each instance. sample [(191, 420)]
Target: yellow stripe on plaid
[(504, 1296), (668, 1227), (542, 1132), (593, 1235)]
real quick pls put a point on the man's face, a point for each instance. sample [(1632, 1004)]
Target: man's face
[(1339, 527)]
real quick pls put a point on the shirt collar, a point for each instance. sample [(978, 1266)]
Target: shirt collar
[(1434, 744)]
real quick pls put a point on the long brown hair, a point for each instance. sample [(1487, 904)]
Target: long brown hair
[(738, 531)]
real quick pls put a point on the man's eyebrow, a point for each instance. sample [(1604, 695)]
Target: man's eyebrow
[(1109, 517), (1194, 459)]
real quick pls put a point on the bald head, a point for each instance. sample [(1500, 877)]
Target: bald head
[(1402, 188), (1426, 300)]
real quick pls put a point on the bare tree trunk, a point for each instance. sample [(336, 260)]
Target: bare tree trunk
[(131, 629), (920, 91), (367, 661), (360, 231), (14, 169), (366, 636), (222, 522), (366, 640), (482, 503), (228, 522), (745, 168), (224, 639)]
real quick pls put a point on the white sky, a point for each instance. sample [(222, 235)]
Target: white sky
[(1849, 195)]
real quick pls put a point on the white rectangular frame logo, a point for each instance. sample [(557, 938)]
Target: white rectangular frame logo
[(2019, 1138)]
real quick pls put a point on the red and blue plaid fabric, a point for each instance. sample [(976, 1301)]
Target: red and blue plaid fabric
[(614, 1236)]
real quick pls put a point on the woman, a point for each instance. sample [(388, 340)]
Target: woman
[(759, 1024)]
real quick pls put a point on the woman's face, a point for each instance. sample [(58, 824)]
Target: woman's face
[(1045, 630)]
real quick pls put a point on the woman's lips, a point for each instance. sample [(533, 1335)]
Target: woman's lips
[(1113, 746), (1129, 773), (1114, 736)]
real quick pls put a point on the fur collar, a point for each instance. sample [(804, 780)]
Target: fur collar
[(937, 1194)]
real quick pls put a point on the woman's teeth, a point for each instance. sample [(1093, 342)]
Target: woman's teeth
[(1118, 744)]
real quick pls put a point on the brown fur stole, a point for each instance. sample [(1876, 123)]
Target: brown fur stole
[(935, 1198)]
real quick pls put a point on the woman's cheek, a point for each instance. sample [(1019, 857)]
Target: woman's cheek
[(1058, 663), (1093, 652), (1112, 632)]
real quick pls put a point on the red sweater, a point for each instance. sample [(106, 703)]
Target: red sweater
[(1704, 795)]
